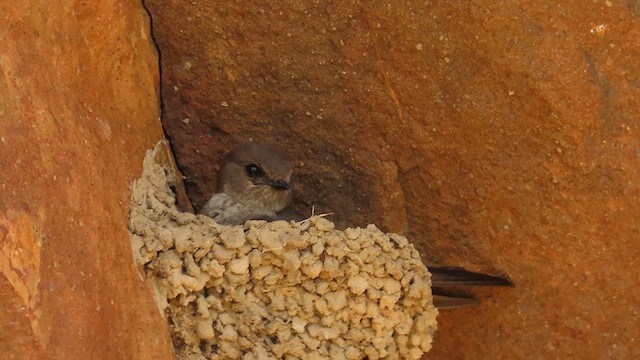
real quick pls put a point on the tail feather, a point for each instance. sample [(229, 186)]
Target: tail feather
[(443, 302), (457, 276)]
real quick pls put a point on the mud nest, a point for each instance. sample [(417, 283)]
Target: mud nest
[(279, 290)]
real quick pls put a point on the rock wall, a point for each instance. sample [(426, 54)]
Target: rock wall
[(78, 109), (498, 136)]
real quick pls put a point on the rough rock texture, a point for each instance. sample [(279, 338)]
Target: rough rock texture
[(299, 290), (78, 109), (497, 135)]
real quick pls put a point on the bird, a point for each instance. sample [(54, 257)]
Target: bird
[(254, 184)]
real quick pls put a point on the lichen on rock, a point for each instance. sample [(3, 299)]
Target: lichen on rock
[(271, 290)]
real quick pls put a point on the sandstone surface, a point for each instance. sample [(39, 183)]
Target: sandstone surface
[(78, 110)]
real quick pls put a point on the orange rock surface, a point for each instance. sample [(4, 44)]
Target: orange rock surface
[(499, 136), (78, 109)]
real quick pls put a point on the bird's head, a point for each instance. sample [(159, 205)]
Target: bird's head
[(257, 175)]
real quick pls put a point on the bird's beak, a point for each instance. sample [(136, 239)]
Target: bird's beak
[(279, 185)]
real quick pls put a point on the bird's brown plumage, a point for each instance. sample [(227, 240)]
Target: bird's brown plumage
[(253, 183)]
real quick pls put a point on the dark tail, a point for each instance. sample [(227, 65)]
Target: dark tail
[(457, 276), (450, 302)]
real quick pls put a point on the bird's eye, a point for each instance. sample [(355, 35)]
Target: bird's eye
[(253, 170)]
